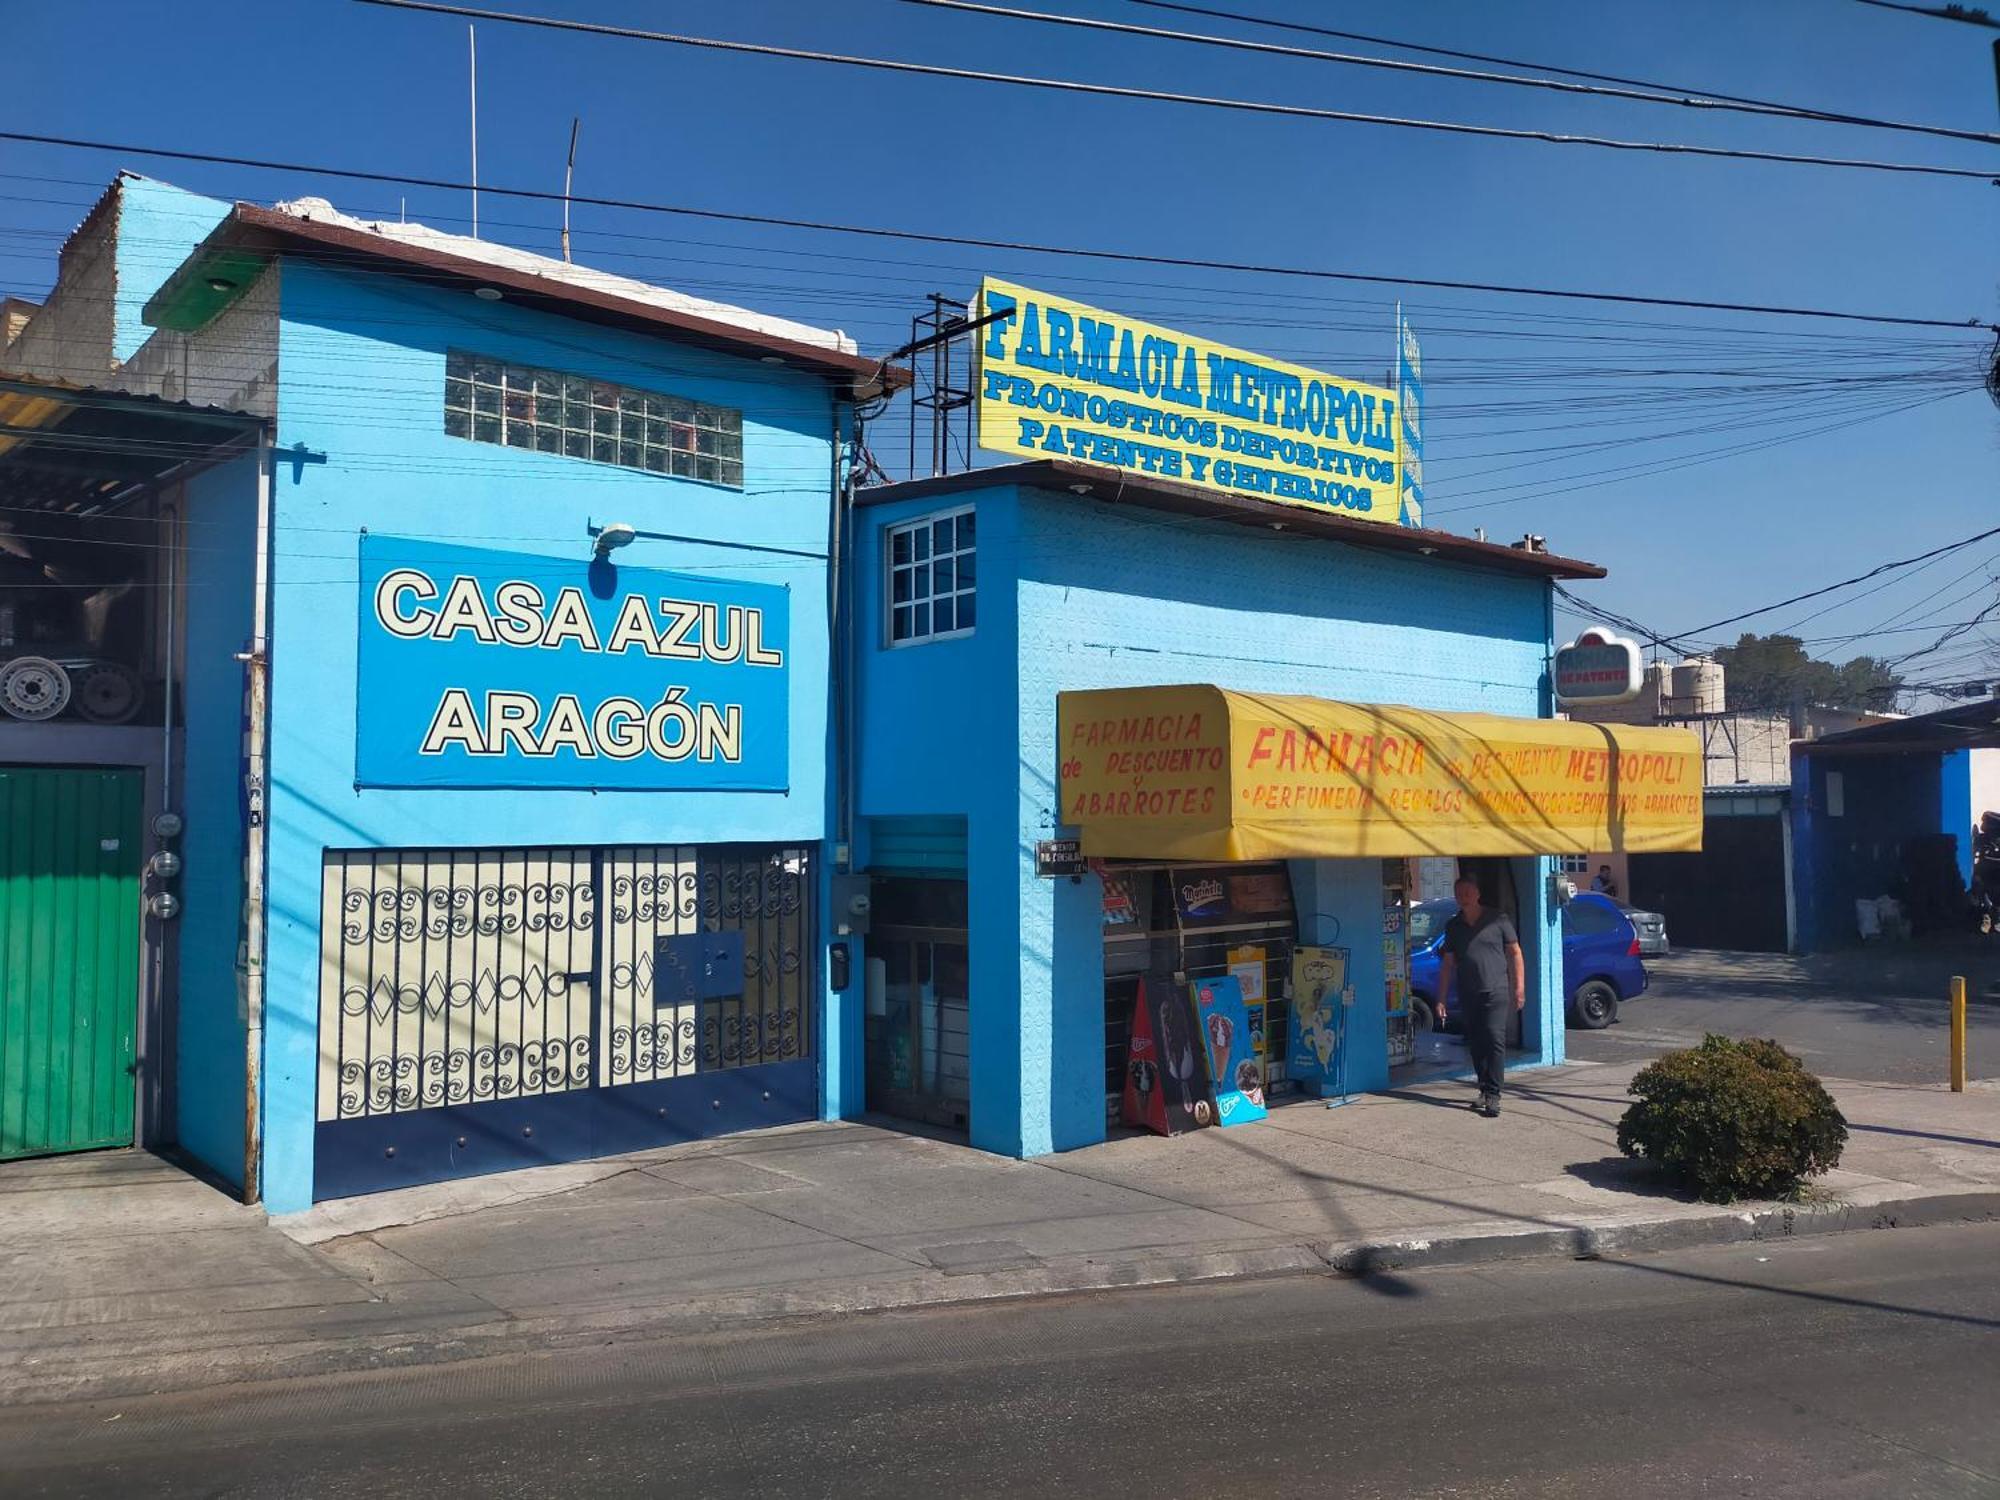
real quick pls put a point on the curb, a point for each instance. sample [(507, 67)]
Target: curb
[(126, 1373), (1656, 1236)]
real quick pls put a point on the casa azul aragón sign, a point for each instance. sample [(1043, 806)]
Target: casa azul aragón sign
[(503, 669)]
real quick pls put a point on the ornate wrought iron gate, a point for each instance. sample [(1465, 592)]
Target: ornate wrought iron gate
[(485, 1009)]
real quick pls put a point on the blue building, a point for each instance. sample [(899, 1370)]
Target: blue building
[(998, 998), (1890, 809), (504, 691), (542, 750)]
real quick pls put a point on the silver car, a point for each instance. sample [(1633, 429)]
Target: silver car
[(1652, 930)]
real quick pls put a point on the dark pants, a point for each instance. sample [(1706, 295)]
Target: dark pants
[(1485, 1018)]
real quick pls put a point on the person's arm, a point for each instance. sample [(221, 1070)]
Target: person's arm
[(1517, 970), (1446, 963)]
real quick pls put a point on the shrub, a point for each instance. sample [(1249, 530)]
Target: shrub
[(1733, 1119)]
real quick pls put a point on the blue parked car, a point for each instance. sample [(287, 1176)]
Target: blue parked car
[(1601, 965)]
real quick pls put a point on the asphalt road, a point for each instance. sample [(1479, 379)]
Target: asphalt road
[(1839, 1030), (1856, 1365)]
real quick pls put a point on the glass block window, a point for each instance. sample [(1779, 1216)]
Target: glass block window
[(933, 578), (491, 401)]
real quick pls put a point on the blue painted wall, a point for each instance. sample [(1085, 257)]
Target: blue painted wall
[(1887, 799), (362, 381), (221, 516), (1956, 813), (936, 730), (1077, 595), (158, 226)]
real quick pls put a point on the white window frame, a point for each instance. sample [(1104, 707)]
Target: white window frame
[(1573, 864), (890, 568)]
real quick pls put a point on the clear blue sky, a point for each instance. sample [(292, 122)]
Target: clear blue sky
[(1515, 385)]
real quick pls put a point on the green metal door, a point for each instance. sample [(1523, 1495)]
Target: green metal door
[(69, 957)]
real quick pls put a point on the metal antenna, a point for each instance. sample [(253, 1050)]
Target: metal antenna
[(472, 51), (569, 172)]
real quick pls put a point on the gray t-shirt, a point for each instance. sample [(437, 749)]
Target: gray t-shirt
[(1481, 954)]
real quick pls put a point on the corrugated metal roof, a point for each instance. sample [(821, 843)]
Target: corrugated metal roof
[(1966, 726), (69, 448), (488, 252), (225, 264)]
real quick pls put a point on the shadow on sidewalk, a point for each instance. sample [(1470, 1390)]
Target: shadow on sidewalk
[(1632, 1176), (1928, 1135), (1376, 1277)]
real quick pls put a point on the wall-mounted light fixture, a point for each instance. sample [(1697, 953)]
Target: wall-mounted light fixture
[(611, 538)]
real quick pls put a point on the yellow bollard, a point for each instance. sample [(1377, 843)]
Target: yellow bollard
[(1958, 1033)]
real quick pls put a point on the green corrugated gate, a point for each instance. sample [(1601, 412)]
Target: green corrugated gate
[(69, 957)]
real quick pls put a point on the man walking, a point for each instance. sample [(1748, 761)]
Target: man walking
[(1483, 952)]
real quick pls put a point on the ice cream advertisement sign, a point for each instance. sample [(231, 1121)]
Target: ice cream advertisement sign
[(1232, 1057)]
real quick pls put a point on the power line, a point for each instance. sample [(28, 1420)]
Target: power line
[(1486, 57), (1950, 635), (1027, 247), (1161, 96), (1621, 473), (1688, 100), (1971, 15), (1205, 298), (1847, 582), (1684, 640), (1590, 611)]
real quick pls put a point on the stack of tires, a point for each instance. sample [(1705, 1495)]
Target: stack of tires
[(33, 688)]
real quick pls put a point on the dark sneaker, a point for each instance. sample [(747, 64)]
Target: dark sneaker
[(1489, 1106)]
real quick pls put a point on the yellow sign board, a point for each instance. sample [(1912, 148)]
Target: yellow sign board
[(1207, 774), (1059, 379)]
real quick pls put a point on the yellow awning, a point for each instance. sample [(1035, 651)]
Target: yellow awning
[(1203, 773)]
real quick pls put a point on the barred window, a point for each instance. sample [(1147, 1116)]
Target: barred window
[(491, 401), (933, 578)]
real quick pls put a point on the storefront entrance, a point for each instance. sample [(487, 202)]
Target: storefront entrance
[(1197, 922), (1179, 924), (498, 1008), (1417, 902), (918, 1055), (70, 853)]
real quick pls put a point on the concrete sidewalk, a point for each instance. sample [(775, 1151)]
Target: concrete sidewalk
[(117, 1274)]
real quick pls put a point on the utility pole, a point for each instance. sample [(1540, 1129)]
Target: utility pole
[(472, 54)]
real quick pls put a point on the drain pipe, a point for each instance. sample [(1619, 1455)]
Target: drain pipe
[(257, 698), (171, 550), (837, 628), (160, 1074)]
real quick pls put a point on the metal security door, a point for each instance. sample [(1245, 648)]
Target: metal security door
[(454, 978), (69, 957), (488, 1009)]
